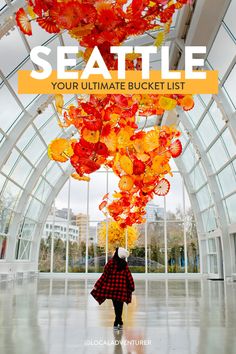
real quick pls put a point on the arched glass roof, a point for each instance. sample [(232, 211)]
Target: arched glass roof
[(29, 182)]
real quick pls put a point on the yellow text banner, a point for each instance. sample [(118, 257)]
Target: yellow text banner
[(132, 84)]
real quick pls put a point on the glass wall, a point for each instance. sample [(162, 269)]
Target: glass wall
[(168, 238)]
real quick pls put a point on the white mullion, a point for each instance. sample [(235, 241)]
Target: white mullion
[(6, 82), (106, 247), (185, 234), (165, 237), (146, 245), (68, 225), (87, 231)]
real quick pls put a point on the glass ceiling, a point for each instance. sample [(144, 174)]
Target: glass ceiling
[(29, 181)]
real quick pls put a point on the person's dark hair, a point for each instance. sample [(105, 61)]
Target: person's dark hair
[(121, 263)]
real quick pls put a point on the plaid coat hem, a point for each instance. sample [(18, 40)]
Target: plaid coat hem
[(113, 284)]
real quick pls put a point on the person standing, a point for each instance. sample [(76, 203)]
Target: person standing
[(116, 283)]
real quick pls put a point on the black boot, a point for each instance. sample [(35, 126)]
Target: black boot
[(118, 307)]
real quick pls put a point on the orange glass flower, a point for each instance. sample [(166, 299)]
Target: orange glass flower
[(92, 136), (60, 150), (126, 183)]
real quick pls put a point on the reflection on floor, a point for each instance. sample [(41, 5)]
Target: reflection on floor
[(42, 316)]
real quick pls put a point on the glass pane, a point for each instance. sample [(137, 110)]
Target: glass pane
[(183, 138), (229, 142), (54, 172), (216, 116), (155, 209), (3, 246), (209, 221), (156, 247), (26, 137), (34, 210), (25, 99), (227, 180), (2, 4), (2, 182), (174, 199), (6, 217), (77, 257), (212, 245), (231, 208), (113, 181), (198, 177), (11, 194), (213, 264), (189, 157), (136, 258), (221, 59), (13, 58), (9, 107), (39, 35), (45, 254), (204, 198), (175, 247), (229, 86), (192, 246), (50, 130), (27, 229), (59, 255), (35, 150), (206, 98), (96, 194), (207, 131), (196, 113), (7, 167), (230, 18), (218, 154), (96, 249), (22, 171), (23, 249), (42, 190), (44, 117), (78, 202), (154, 212), (233, 238)]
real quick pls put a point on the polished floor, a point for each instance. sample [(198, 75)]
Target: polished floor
[(43, 316)]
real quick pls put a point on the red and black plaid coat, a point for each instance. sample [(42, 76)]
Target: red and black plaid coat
[(113, 284)]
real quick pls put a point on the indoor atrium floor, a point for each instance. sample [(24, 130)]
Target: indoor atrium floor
[(45, 316)]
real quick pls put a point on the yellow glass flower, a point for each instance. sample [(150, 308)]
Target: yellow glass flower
[(114, 117), (149, 175), (158, 162), (116, 165), (151, 141), (143, 157), (123, 139), (138, 145), (59, 103), (116, 235), (126, 164), (60, 150), (167, 103)]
